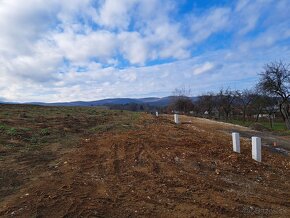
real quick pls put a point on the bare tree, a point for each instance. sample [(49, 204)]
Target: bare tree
[(244, 99), (225, 101), (270, 108), (181, 100), (275, 81), (258, 105), (182, 92), (206, 103)]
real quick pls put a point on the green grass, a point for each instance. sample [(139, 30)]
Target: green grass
[(240, 122), (12, 131), (2, 127), (278, 126), (44, 132)]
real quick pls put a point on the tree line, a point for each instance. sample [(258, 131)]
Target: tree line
[(270, 98)]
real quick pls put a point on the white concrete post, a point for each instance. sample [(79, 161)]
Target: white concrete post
[(157, 114), (176, 118), (256, 149), (236, 142)]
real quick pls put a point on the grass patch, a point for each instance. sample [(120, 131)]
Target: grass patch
[(278, 126), (44, 132), (29, 127), (12, 131), (2, 127)]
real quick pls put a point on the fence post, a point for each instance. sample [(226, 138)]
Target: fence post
[(176, 118), (256, 149), (236, 142)]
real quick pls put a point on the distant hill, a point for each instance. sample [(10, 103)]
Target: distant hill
[(152, 101)]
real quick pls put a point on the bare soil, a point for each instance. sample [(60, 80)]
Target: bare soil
[(150, 167), (270, 139)]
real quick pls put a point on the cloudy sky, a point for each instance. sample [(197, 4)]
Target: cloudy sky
[(92, 49)]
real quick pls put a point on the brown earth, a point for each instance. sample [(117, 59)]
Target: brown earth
[(156, 169), (269, 138)]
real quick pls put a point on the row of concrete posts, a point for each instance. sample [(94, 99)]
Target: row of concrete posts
[(256, 143), (176, 120), (256, 146)]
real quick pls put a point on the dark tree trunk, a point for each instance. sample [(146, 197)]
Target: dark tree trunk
[(227, 115), (258, 114), (244, 114), (257, 118), (219, 114), (271, 121), (285, 114)]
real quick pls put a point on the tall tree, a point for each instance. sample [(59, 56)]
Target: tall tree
[(244, 99), (275, 81), (181, 100), (206, 103), (270, 108), (258, 105), (225, 101)]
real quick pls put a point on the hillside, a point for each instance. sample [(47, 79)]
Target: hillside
[(152, 101), (87, 162)]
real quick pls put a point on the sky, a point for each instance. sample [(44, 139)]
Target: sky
[(56, 51)]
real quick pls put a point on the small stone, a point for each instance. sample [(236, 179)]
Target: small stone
[(176, 159)]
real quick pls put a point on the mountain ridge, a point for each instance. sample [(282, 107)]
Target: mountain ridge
[(153, 101)]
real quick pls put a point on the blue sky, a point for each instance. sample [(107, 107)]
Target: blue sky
[(93, 49)]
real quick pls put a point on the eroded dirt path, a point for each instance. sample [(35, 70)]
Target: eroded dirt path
[(159, 169), (269, 139)]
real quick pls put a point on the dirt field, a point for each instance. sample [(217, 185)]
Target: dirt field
[(136, 165)]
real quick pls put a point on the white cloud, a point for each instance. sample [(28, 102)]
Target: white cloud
[(206, 67), (22, 22), (115, 14), (248, 14), (212, 22), (169, 42), (133, 46), (82, 47), (73, 50), (128, 76)]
